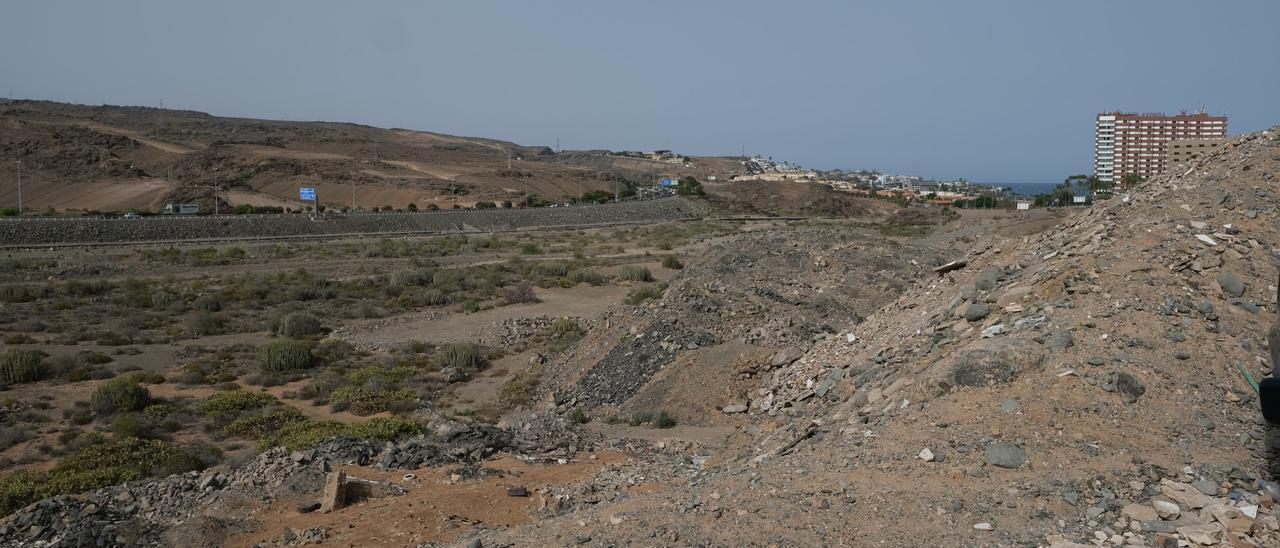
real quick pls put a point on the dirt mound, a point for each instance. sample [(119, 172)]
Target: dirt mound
[(723, 317), (788, 199)]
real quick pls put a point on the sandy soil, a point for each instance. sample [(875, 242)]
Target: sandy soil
[(583, 300), (433, 509)]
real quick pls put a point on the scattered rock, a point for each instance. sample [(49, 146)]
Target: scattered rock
[(1124, 384), (1005, 455), (1231, 284), (1140, 512), (976, 311)]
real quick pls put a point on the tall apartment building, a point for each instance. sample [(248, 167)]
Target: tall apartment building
[(1127, 143)]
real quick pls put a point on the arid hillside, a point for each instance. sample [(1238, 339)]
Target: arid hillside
[(117, 158), (1081, 385)]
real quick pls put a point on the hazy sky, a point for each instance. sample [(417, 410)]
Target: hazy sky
[(989, 91)]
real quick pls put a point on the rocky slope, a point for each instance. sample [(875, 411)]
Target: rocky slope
[(1082, 385)]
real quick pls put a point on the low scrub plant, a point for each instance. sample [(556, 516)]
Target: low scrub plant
[(306, 434), (283, 356), (519, 390), (119, 395), (98, 464), (636, 274), (299, 324), (645, 293), (463, 356), (519, 293), (19, 366), (234, 403), (585, 275)]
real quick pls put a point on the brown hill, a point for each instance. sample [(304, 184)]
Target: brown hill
[(108, 157)]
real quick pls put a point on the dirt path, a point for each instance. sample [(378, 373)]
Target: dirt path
[(136, 136), (386, 333), (421, 168)]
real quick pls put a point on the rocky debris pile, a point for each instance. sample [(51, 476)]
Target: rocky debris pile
[(39, 231), (143, 512), (1159, 509), (630, 364), (339, 450), (790, 288), (452, 443), (146, 512), (294, 537), (513, 332), (544, 436)]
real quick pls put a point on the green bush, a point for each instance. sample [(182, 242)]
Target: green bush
[(530, 249), (207, 303), (360, 400), (299, 324), (264, 425), (664, 420), (306, 434), (550, 269), (130, 425), (636, 274), (464, 356), (519, 293), (519, 390), (286, 355), (205, 323), (578, 416), (430, 297), (584, 275), (94, 466), (234, 403), (16, 294), (672, 262), (119, 395), (164, 299), (418, 277), (644, 293), (18, 366), (639, 418), (688, 186)]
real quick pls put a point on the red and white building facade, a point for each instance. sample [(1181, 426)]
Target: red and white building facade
[(1127, 143)]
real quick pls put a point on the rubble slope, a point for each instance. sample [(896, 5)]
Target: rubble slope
[(1082, 385)]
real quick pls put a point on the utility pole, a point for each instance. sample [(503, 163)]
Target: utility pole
[(215, 191), (19, 187)]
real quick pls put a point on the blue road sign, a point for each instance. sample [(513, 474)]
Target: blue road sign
[(307, 193)]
